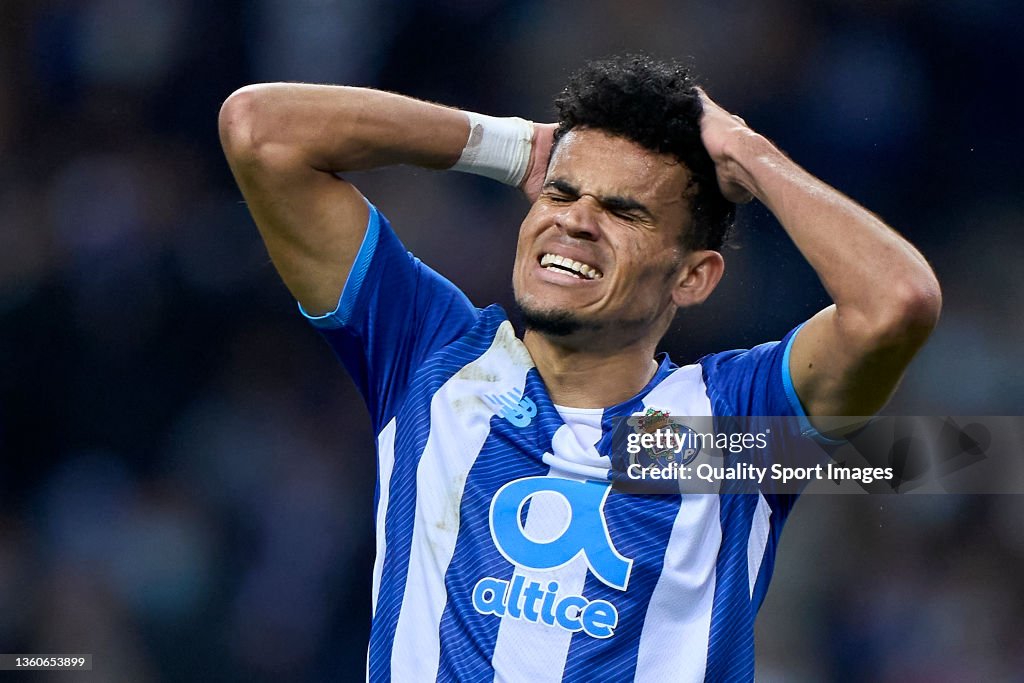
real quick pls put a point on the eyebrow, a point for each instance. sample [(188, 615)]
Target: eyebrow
[(613, 202)]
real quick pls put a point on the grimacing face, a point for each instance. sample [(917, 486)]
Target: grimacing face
[(601, 245)]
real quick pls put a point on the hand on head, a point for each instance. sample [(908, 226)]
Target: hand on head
[(718, 130), (540, 155)]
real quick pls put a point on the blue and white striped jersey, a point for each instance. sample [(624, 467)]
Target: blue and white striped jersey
[(503, 553)]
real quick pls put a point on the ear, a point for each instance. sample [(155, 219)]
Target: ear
[(698, 277)]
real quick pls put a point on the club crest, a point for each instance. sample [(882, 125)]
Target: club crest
[(677, 443)]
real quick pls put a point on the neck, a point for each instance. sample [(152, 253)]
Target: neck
[(587, 379)]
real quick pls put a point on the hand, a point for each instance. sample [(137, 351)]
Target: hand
[(533, 182), (718, 130)]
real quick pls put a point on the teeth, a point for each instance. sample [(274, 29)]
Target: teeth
[(574, 268)]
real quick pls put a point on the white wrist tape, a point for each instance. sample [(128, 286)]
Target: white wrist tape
[(497, 148)]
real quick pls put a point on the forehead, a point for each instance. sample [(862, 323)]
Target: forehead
[(603, 164)]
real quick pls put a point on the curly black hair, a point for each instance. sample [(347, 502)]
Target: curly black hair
[(655, 104)]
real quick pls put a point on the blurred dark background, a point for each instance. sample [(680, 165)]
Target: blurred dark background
[(186, 477)]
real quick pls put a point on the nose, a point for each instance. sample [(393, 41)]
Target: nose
[(579, 219)]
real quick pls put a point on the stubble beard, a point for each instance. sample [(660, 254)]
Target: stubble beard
[(553, 323), (570, 329), (563, 324)]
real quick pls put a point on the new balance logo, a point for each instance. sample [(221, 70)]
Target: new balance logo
[(514, 407)]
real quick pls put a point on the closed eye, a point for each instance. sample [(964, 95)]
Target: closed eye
[(560, 191)]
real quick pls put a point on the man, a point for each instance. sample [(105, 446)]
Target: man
[(502, 551)]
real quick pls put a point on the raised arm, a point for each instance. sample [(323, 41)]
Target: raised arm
[(288, 143), (285, 142), (849, 358)]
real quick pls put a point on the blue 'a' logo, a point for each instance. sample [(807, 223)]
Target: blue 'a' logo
[(514, 407), (586, 533)]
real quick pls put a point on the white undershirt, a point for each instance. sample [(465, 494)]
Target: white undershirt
[(585, 423)]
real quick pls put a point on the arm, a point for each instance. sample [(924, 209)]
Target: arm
[(285, 144), (849, 358)]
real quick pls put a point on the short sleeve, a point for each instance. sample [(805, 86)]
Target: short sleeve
[(757, 383), (394, 311)]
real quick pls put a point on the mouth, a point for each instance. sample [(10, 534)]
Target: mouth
[(576, 269)]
